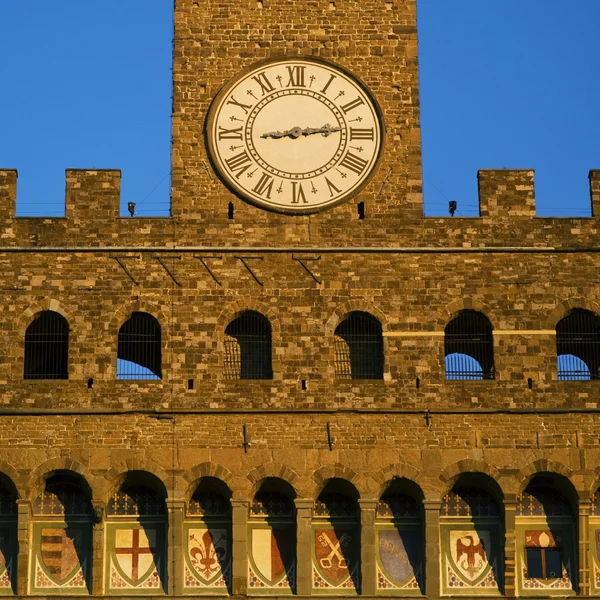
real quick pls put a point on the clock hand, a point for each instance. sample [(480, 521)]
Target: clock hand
[(296, 132)]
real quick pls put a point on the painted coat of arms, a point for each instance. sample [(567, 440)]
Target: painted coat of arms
[(336, 554), (208, 556), (136, 559), (468, 559), (273, 556), (400, 555), (61, 559)]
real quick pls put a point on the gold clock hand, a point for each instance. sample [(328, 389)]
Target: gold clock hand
[(297, 132)]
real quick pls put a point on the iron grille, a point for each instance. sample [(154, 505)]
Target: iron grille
[(578, 346), (248, 347), (47, 347), (469, 347), (139, 348), (358, 345)]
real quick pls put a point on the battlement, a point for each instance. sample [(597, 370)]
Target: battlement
[(92, 213)]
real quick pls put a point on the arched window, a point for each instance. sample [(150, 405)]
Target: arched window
[(400, 538), (8, 537), (336, 539), (47, 347), (469, 347), (207, 563), (546, 535), (136, 542), (139, 348), (272, 527), (578, 346), (248, 347), (359, 347), (472, 538), (62, 537)]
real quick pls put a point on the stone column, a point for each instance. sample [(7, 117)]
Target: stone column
[(510, 546), (23, 520), (175, 547), (304, 510), (583, 534), (368, 571), (239, 527), (432, 547), (98, 551)]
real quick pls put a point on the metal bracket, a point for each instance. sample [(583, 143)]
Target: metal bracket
[(203, 258), (119, 259), (307, 258), (160, 260), (245, 438), (243, 260), (384, 181)]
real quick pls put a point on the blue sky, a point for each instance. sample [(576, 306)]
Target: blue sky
[(504, 83)]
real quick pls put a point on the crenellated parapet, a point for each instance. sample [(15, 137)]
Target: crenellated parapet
[(506, 193), (507, 216)]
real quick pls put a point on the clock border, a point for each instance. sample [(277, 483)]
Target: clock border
[(231, 82)]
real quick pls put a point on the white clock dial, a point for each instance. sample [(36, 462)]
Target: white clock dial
[(295, 135)]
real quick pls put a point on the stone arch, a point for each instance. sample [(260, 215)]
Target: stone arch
[(450, 474), (451, 310), (205, 469), (48, 303), (384, 477), (121, 315), (273, 470), (588, 494), (237, 307), (116, 476), (562, 308), (11, 475), (334, 471), (543, 465), (37, 478), (126, 310), (356, 304)]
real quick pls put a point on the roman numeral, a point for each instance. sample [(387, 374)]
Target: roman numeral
[(324, 90), (265, 84), (231, 134), (352, 105), (332, 189), (354, 163), (240, 162), (264, 185), (296, 76), (298, 193), (362, 134), (245, 107)]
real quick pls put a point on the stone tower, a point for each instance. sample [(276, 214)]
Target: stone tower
[(330, 397)]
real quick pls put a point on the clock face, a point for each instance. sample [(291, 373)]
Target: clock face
[(295, 135)]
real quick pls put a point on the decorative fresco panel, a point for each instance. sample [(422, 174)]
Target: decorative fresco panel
[(399, 559), (540, 538), (336, 557), (8, 557), (136, 558), (272, 557), (208, 558), (470, 559), (61, 558)]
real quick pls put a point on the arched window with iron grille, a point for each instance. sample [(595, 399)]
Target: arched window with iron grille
[(469, 347), (248, 347), (578, 346), (139, 348), (359, 347), (47, 347)]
